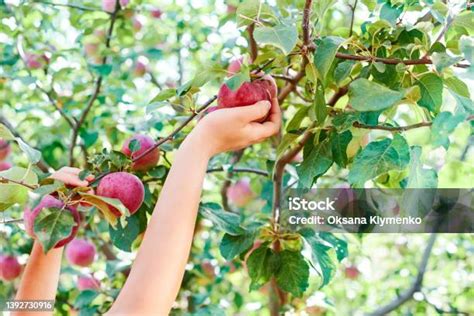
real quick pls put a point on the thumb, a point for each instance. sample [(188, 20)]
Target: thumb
[(255, 112)]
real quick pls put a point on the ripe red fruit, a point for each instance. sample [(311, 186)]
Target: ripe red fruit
[(5, 149), (140, 69), (240, 193), (149, 160), (35, 61), (123, 186), (248, 93), (137, 24), (87, 283), (351, 272), (108, 5), (10, 268), (80, 252), (5, 165), (46, 202), (234, 66), (156, 13), (124, 3)]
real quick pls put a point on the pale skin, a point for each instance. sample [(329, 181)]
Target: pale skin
[(158, 269)]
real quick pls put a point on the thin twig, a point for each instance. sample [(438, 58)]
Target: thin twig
[(6, 180), (95, 94), (252, 43), (399, 128), (240, 170), (72, 6), (11, 221), (353, 8), (392, 61), (173, 133), (70, 122)]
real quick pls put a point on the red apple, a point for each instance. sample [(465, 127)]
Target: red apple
[(35, 61), (10, 268), (240, 193), (140, 69), (5, 149), (351, 272), (149, 160), (124, 3), (248, 93), (156, 13), (5, 165), (234, 66), (80, 252), (49, 201), (231, 9), (137, 24), (88, 283), (123, 186), (108, 5)]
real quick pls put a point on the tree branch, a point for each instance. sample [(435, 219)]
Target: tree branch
[(415, 287), (252, 43), (173, 133), (399, 128), (72, 6), (240, 170), (392, 61), (6, 180), (55, 105), (236, 156), (95, 94), (353, 8)]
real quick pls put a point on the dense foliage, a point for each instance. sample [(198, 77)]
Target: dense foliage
[(373, 94)]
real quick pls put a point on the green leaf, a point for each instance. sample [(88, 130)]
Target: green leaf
[(325, 54), (378, 158), (101, 70), (431, 88), (53, 225), (232, 246), (443, 125), (460, 92), (261, 264), (391, 13), (85, 298), (12, 193), (33, 155), (338, 244), (237, 80), (315, 164), (282, 36), (320, 256), (5, 133), (250, 10), (123, 236), (164, 95), (339, 142), (365, 95), (293, 272), (443, 60), (419, 177), (466, 44), (225, 221), (343, 70)]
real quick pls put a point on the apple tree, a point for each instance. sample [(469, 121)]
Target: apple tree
[(373, 94)]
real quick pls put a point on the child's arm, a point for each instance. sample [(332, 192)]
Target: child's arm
[(158, 270), (41, 276)]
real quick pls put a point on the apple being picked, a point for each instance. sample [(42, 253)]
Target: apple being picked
[(5, 149), (144, 142), (87, 283), (125, 187), (10, 268), (49, 201), (80, 252), (260, 89), (240, 193)]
